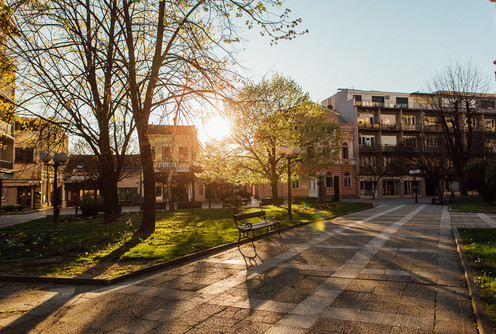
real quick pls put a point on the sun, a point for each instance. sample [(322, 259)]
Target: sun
[(216, 128)]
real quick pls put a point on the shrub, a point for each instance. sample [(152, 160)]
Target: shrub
[(478, 178), (90, 206), (12, 208), (235, 202)]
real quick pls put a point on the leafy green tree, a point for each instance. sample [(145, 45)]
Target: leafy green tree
[(481, 175), (277, 113), (115, 63), (217, 165)]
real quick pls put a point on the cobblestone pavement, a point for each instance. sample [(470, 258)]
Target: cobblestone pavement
[(390, 269)]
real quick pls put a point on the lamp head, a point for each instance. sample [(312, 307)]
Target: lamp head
[(45, 157), (60, 158)]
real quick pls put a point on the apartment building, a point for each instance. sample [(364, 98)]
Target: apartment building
[(383, 121)]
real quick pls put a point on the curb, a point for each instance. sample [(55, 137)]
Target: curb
[(177, 261), (484, 324)]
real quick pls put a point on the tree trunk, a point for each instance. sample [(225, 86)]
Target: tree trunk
[(275, 193), (110, 198), (148, 220)]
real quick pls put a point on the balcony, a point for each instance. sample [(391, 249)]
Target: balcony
[(409, 127), (389, 105), (368, 126), (4, 164), (434, 128), (376, 148), (166, 165), (395, 127)]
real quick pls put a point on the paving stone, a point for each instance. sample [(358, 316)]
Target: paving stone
[(389, 269)]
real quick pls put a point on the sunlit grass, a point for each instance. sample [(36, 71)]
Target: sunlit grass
[(90, 248), (480, 247)]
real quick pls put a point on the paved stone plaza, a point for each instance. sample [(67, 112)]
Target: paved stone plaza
[(390, 269)]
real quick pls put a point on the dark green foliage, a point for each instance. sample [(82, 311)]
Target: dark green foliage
[(12, 208), (235, 202), (476, 174), (90, 206)]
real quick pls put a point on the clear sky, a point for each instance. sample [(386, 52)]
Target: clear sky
[(392, 45)]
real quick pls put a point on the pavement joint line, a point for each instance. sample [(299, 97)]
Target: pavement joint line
[(345, 275), (244, 275), (487, 219)]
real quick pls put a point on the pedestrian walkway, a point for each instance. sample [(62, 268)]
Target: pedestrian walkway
[(390, 269)]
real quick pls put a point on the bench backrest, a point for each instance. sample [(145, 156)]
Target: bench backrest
[(241, 216)]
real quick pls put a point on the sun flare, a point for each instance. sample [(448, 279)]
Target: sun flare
[(217, 128)]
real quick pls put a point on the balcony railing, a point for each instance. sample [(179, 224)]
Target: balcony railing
[(377, 148), (166, 164), (4, 164), (390, 105)]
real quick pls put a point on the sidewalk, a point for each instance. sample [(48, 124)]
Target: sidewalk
[(390, 269)]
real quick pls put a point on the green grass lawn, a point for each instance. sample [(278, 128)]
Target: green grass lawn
[(90, 248), (480, 247), (470, 204)]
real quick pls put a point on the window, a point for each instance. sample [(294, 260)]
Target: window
[(166, 153), (473, 122), (158, 190), (127, 194), (388, 119), (329, 183), (378, 101), (490, 123), (367, 140), (295, 184), (402, 102), (487, 104), (183, 154), (358, 100), (200, 190), (410, 141), (388, 140), (408, 120), (344, 151), (347, 180), (365, 118), (24, 155), (430, 120), (432, 141)]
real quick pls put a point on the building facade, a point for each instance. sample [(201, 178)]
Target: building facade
[(337, 181), (32, 184), (385, 121)]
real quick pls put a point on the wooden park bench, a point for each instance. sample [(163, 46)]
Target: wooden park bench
[(244, 229)]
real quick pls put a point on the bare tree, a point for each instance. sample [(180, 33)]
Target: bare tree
[(66, 58), (173, 51), (455, 97)]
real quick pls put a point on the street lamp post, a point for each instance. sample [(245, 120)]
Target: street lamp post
[(77, 176), (415, 172), (289, 153), (57, 160)]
